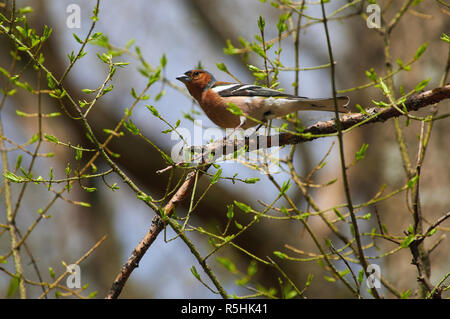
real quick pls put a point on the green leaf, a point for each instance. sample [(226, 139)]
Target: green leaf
[(108, 89), (361, 109), (431, 232), (20, 113), (127, 112), (154, 77), (13, 177), (329, 279), (11, 92), (51, 138), (405, 294), (251, 180), (344, 272), (230, 49), (228, 264), (133, 93), (4, 72), (222, 67), (93, 294), (384, 87), (234, 109), (239, 226), (34, 138), (419, 87), (407, 241), (338, 214), (84, 204), (242, 281), (52, 272), (285, 187), (22, 31), (372, 75), (230, 211), (71, 56), (290, 294), (410, 229), (130, 126), (3, 18), (360, 276), (50, 82), (261, 23), (77, 38), (163, 61), (130, 43), (252, 268), (281, 25), (253, 68), (153, 110), (445, 38), (195, 273), (13, 285), (19, 161), (380, 103), (216, 176), (362, 151), (309, 280), (279, 254), (26, 9), (144, 197), (413, 181), (245, 208), (420, 51), (157, 97), (78, 153), (68, 170)]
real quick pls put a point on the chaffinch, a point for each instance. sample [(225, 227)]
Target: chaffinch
[(258, 102)]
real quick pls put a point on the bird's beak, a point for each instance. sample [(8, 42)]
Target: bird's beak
[(184, 78)]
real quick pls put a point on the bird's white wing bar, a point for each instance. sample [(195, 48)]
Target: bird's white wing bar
[(227, 87), (228, 90)]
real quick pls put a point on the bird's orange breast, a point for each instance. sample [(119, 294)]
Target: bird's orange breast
[(215, 107)]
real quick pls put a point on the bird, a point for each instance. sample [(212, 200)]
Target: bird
[(261, 103)]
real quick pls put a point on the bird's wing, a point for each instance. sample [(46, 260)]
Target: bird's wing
[(231, 89)]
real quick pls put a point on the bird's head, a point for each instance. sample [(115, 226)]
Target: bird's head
[(197, 81)]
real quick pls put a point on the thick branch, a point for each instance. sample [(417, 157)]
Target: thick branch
[(373, 115), (156, 227)]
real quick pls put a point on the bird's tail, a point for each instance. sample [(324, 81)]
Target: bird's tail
[(279, 107), (327, 104)]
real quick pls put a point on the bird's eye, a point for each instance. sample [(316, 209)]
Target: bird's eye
[(195, 73)]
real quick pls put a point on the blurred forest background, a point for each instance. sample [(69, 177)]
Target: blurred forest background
[(193, 32)]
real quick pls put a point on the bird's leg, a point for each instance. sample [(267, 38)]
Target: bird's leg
[(242, 120)]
